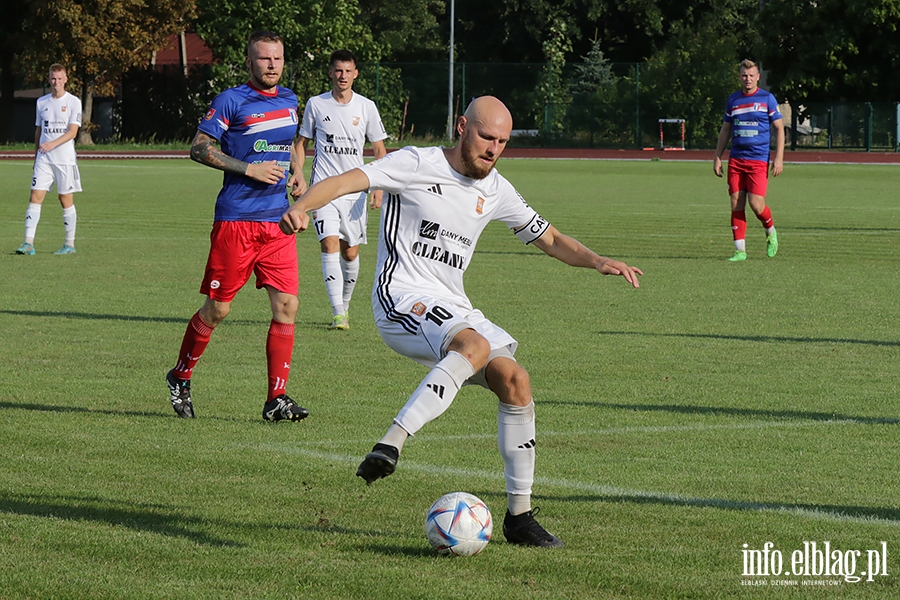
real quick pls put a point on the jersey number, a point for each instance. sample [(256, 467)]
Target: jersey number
[(320, 227), (438, 315)]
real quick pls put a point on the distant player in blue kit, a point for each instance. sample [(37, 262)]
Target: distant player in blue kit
[(750, 115), (255, 124)]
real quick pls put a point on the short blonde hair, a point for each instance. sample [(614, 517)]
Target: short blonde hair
[(748, 64)]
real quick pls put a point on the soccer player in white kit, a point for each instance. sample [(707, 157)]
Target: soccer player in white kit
[(58, 118), (339, 121), (437, 203)]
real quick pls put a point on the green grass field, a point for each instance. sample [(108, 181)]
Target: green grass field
[(719, 405)]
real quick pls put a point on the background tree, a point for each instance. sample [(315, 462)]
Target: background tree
[(831, 50), (694, 72), (311, 29), (98, 40), (408, 30)]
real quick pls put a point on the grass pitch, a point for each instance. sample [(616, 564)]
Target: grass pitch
[(719, 405)]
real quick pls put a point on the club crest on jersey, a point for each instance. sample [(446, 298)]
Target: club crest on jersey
[(63, 108), (355, 121), (418, 309), (429, 230), (479, 206), (209, 114)]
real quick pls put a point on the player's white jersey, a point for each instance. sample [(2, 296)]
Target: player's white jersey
[(53, 116), (431, 218), (339, 132)]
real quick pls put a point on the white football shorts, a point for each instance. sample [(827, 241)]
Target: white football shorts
[(345, 218), (439, 322), (66, 177)]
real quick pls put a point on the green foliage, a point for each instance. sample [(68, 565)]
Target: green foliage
[(832, 50), (383, 84), (552, 88), (594, 95), (718, 405), (406, 28), (98, 40), (311, 29)]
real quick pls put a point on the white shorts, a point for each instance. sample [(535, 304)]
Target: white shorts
[(345, 218), (66, 177), (438, 322)]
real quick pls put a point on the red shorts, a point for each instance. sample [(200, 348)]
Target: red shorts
[(748, 176), (239, 248)]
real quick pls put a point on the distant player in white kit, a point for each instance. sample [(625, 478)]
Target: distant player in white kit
[(339, 121), (57, 122), (437, 203)]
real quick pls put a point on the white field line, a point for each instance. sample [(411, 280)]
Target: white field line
[(602, 490)]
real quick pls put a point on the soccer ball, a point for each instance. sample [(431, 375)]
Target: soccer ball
[(459, 524)]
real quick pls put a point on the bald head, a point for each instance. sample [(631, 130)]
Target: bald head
[(483, 132), (489, 111)]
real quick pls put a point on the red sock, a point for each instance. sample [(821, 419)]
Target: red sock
[(765, 217), (739, 224), (192, 346), (279, 348)]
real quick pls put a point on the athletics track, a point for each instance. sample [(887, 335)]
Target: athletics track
[(798, 156)]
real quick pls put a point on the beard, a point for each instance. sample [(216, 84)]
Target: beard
[(472, 166)]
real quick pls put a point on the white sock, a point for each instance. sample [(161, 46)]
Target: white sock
[(740, 245), (396, 436), (515, 438), (69, 220), (350, 271), (770, 230), (32, 216), (435, 393), (331, 273)]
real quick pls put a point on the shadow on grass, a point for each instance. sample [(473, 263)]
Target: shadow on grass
[(117, 413), (731, 411), (755, 338), (142, 318), (162, 520), (836, 512)]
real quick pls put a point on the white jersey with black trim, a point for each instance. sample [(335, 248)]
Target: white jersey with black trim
[(431, 218), (339, 132), (54, 116)]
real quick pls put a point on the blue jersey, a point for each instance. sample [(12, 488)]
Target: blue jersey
[(751, 117), (254, 127)]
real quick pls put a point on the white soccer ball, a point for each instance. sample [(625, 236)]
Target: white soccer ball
[(459, 524)]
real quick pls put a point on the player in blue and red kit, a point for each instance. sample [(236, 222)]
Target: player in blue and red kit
[(750, 116), (255, 124)]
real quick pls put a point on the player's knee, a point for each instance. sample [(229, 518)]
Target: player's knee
[(214, 312), (285, 309), (510, 381), (473, 346)]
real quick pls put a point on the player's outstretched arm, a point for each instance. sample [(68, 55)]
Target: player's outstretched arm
[(296, 220), (205, 151), (572, 252)]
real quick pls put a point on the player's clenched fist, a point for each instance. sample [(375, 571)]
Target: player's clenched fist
[(294, 222)]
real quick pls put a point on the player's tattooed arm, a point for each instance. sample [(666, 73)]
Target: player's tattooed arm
[(205, 151)]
